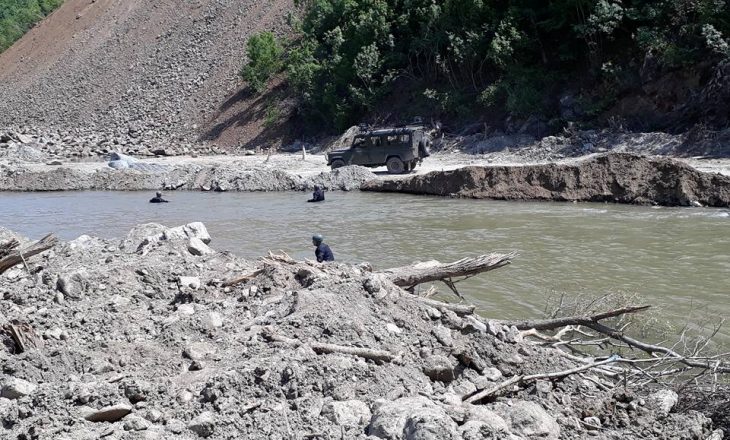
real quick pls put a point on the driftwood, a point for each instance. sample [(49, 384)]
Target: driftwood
[(551, 324), (459, 309), (533, 377), (419, 273), (319, 348), (241, 279), (16, 256), (592, 322)]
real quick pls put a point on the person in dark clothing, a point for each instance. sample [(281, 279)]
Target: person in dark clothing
[(158, 198), (322, 252), (318, 195)]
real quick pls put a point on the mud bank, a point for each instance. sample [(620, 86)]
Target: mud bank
[(139, 338), (229, 176), (613, 177)]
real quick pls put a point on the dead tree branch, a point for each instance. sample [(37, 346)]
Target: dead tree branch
[(551, 324), (533, 377), (16, 256), (424, 272)]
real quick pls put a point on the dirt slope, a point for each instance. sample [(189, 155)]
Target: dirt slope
[(133, 71)]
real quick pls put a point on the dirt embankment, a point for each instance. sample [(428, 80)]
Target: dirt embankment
[(140, 338), (617, 177)]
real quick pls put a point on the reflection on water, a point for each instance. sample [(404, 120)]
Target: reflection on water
[(677, 258)]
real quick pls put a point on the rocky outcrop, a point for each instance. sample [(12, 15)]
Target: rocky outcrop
[(613, 177)]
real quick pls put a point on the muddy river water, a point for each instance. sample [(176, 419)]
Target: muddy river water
[(676, 258)]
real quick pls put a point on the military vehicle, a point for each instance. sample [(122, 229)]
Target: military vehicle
[(400, 149)]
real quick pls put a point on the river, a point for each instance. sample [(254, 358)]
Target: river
[(677, 259)]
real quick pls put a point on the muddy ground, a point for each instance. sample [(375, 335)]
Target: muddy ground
[(138, 338), (611, 177)]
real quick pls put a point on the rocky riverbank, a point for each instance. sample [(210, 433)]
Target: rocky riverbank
[(143, 338), (612, 177)]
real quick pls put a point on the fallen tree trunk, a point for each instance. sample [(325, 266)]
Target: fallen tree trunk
[(17, 256), (419, 273)]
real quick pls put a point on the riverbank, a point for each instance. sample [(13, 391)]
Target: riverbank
[(613, 177), (646, 180), (142, 337)]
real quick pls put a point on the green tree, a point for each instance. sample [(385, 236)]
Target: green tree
[(265, 59)]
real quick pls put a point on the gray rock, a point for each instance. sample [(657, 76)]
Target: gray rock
[(134, 423), (189, 283), (109, 413), (529, 420), (439, 368), (663, 401), (430, 424), (390, 417), (203, 425), (592, 423), (197, 247), (347, 413), (14, 388)]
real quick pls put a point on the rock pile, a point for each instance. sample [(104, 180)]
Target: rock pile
[(143, 338), (140, 75)]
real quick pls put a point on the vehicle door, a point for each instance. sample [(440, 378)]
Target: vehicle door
[(360, 151)]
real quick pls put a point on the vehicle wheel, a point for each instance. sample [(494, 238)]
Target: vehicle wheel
[(337, 163), (413, 165), (395, 165)]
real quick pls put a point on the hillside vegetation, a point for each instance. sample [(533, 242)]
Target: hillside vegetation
[(17, 16), (518, 58)]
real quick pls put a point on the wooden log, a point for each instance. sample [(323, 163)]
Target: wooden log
[(319, 348), (17, 256), (459, 309), (419, 273)]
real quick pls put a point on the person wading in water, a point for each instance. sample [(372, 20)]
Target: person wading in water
[(322, 252), (158, 198)]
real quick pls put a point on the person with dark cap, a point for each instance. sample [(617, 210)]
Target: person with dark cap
[(317, 195), (322, 252), (158, 198)]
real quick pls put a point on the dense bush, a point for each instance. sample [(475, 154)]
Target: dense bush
[(462, 54), (17, 16), (264, 60)]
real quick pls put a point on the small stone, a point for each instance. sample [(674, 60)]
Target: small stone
[(189, 282), (438, 368), (184, 396), (58, 298), (196, 366), (134, 423), (109, 413), (392, 328), (14, 388), (214, 320), (664, 401), (592, 423), (347, 413), (203, 425), (186, 309), (153, 415)]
